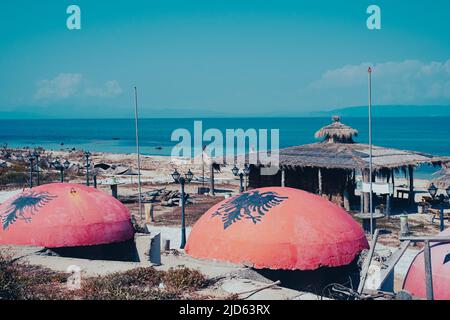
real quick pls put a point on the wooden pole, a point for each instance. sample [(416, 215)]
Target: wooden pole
[(428, 271), (319, 178), (361, 202), (346, 196), (388, 205), (393, 179), (203, 168), (366, 195), (138, 151), (370, 150), (411, 185), (212, 192)]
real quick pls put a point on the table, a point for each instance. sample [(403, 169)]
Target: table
[(402, 192)]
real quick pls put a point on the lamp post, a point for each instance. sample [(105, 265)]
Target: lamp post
[(31, 159), (87, 154), (36, 156), (61, 167), (441, 201), (245, 172), (182, 181)]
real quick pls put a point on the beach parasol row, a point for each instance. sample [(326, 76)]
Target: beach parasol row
[(63, 215), (277, 228)]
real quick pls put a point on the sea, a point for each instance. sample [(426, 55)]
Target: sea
[(424, 134)]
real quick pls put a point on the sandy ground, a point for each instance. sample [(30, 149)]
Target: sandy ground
[(230, 278), (156, 174)]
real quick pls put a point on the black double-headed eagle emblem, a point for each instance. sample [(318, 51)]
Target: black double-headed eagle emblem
[(29, 202), (251, 205)]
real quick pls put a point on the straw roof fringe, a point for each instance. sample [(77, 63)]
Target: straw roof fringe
[(442, 180), (347, 156)]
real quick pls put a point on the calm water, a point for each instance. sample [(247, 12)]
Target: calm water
[(429, 135)]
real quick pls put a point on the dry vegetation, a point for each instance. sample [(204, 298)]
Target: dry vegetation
[(20, 281)]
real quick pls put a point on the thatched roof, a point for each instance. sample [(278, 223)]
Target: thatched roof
[(442, 180), (347, 156), (337, 132), (352, 156)]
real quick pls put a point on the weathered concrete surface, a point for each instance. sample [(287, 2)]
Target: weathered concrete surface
[(169, 233), (5, 195), (243, 286), (232, 278), (102, 267)]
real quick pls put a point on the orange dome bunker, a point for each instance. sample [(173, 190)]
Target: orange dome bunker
[(64, 215), (277, 228)]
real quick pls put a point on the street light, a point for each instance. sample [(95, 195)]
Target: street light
[(31, 160), (36, 155), (178, 178), (176, 175), (441, 200), (432, 190), (66, 164), (61, 167), (87, 154), (189, 175), (245, 172)]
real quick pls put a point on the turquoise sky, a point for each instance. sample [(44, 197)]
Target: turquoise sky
[(233, 57)]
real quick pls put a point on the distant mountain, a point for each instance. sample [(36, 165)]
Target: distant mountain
[(86, 112), (105, 113), (388, 111)]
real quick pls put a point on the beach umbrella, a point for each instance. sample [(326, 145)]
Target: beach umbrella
[(414, 281), (277, 228), (63, 215)]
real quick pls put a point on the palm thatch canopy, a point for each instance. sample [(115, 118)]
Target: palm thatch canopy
[(337, 132)]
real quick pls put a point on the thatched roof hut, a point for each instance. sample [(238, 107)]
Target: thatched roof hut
[(337, 150), (330, 166), (337, 132)]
